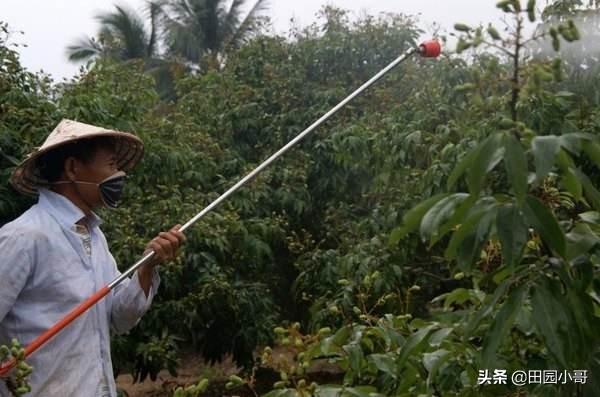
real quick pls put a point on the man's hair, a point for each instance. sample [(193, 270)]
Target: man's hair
[(51, 165)]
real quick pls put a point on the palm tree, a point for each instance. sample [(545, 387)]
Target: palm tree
[(195, 28), (122, 36)]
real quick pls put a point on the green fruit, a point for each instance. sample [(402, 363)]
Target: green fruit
[(493, 33), (4, 351), (22, 366), (283, 375), (236, 379), (367, 280), (504, 5), (555, 40), (324, 331), (461, 27), (229, 385), (462, 45), (302, 383), (202, 385), (557, 70), (531, 10), (21, 390), (279, 330), (556, 44), (279, 385), (573, 30)]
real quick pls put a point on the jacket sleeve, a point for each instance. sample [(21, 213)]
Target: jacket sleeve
[(129, 302), (16, 265)]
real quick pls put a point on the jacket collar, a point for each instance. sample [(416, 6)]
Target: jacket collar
[(64, 211)]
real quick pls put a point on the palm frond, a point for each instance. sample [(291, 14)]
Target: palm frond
[(232, 19), (84, 49), (128, 28), (248, 25), (155, 10)]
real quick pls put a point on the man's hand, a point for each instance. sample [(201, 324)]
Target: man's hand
[(166, 245)]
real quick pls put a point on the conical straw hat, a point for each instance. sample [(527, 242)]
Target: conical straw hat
[(26, 178)]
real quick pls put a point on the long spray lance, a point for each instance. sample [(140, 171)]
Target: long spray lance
[(428, 49)]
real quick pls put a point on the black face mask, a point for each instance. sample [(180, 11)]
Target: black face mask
[(111, 189)]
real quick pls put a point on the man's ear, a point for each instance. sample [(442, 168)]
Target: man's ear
[(70, 169)]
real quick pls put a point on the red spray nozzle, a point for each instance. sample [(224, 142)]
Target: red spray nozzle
[(430, 49)]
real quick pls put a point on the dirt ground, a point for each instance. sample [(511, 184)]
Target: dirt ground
[(192, 368)]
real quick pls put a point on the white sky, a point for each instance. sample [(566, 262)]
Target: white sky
[(51, 25)]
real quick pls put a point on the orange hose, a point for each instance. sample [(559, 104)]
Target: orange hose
[(56, 328)]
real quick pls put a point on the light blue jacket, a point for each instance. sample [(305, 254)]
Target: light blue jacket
[(44, 273)]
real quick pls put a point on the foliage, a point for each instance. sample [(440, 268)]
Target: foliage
[(445, 222)]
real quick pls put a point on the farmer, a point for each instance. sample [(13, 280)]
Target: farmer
[(54, 256)]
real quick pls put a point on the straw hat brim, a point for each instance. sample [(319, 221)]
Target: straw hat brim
[(26, 178)]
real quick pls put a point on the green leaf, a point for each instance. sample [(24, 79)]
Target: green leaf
[(414, 343), (385, 363), (580, 240), (592, 150), (355, 357), (572, 184), (469, 250), (592, 217), (512, 232), (413, 217), (516, 166), (462, 166), (589, 190), (503, 322), (544, 150), (438, 336), (544, 222), (281, 393), (572, 142), (487, 157), (359, 391), (467, 205), (461, 233), (549, 318), (433, 361), (439, 213), (486, 309)]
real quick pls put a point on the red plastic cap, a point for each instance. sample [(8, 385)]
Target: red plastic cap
[(430, 49)]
